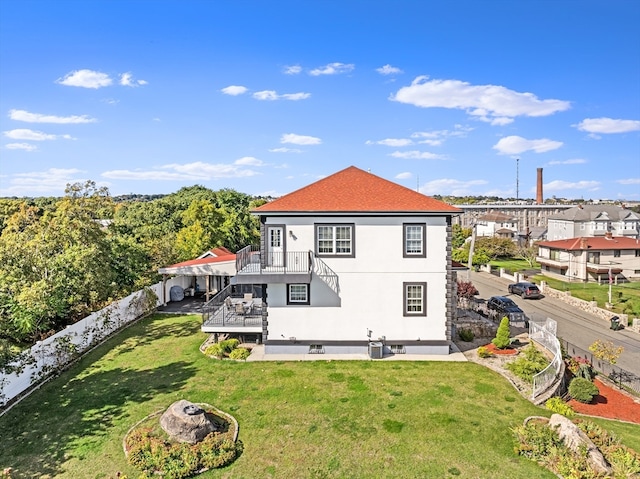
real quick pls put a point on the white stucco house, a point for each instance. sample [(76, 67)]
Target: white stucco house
[(497, 224), (593, 220), (350, 261)]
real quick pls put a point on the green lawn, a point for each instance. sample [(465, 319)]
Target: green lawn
[(512, 265), (625, 296), (321, 419)]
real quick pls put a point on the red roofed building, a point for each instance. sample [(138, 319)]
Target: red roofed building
[(599, 259), (207, 274), (352, 263)]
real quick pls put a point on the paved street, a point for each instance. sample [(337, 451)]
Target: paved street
[(574, 326)]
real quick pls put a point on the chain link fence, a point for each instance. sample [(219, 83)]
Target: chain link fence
[(622, 378)]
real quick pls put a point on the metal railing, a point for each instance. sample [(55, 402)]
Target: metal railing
[(215, 312), (249, 260), (325, 273), (545, 335)]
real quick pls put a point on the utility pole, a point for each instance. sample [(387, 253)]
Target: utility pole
[(471, 247), (517, 179)]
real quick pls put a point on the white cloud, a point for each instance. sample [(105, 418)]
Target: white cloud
[(50, 182), (86, 79), (21, 146), (607, 125), (575, 161), (272, 95), (492, 103), (28, 117), (248, 161), (294, 139), (295, 96), (335, 68), (559, 185), (447, 186), (513, 145), (265, 95), (196, 171), (32, 135), (395, 142), (126, 79), (438, 137), (629, 181), (388, 70), (285, 150), (416, 155), (404, 176), (292, 69), (234, 90)]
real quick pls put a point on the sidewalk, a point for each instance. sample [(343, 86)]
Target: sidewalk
[(257, 354)]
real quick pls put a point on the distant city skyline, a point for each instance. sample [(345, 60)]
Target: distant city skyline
[(459, 98)]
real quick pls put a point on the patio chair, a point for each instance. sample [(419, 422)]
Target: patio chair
[(240, 309), (248, 296)]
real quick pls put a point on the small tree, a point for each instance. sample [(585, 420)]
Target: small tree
[(606, 351), (503, 335)]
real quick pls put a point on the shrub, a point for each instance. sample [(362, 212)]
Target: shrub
[(529, 364), (582, 390), (239, 353), (585, 371), (557, 405), (484, 352), (216, 350), (466, 335), (503, 335)]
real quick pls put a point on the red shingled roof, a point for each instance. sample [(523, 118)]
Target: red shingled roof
[(355, 190), (207, 260), (592, 243)]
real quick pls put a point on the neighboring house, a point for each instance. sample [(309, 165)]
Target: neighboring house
[(208, 274), (593, 220), (497, 224), (349, 261), (591, 258)]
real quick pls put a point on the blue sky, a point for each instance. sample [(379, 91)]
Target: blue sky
[(268, 96)]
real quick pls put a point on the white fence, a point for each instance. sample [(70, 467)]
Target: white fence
[(55, 352), (545, 335)]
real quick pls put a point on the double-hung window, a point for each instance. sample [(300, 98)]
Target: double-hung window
[(415, 299), (414, 240), (297, 294), (335, 240)]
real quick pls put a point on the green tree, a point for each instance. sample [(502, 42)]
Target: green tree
[(503, 335), (528, 253), (459, 235)]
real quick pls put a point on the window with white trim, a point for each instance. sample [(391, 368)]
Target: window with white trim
[(415, 299), (335, 240), (297, 294), (414, 239)]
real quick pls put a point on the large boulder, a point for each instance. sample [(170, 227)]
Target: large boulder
[(185, 421), (575, 439)]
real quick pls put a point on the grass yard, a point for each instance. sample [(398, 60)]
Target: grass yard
[(513, 265), (321, 419), (625, 296)]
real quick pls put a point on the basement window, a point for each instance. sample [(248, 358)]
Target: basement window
[(397, 349), (316, 349)]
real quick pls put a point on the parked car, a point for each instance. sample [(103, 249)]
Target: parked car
[(526, 290), (499, 306)]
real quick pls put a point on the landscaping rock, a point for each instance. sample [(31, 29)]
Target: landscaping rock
[(187, 422), (574, 438)]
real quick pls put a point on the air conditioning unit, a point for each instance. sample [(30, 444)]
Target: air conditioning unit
[(375, 349)]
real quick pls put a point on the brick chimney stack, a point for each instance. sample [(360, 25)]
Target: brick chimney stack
[(539, 199)]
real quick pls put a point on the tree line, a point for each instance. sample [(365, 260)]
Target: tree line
[(62, 258)]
